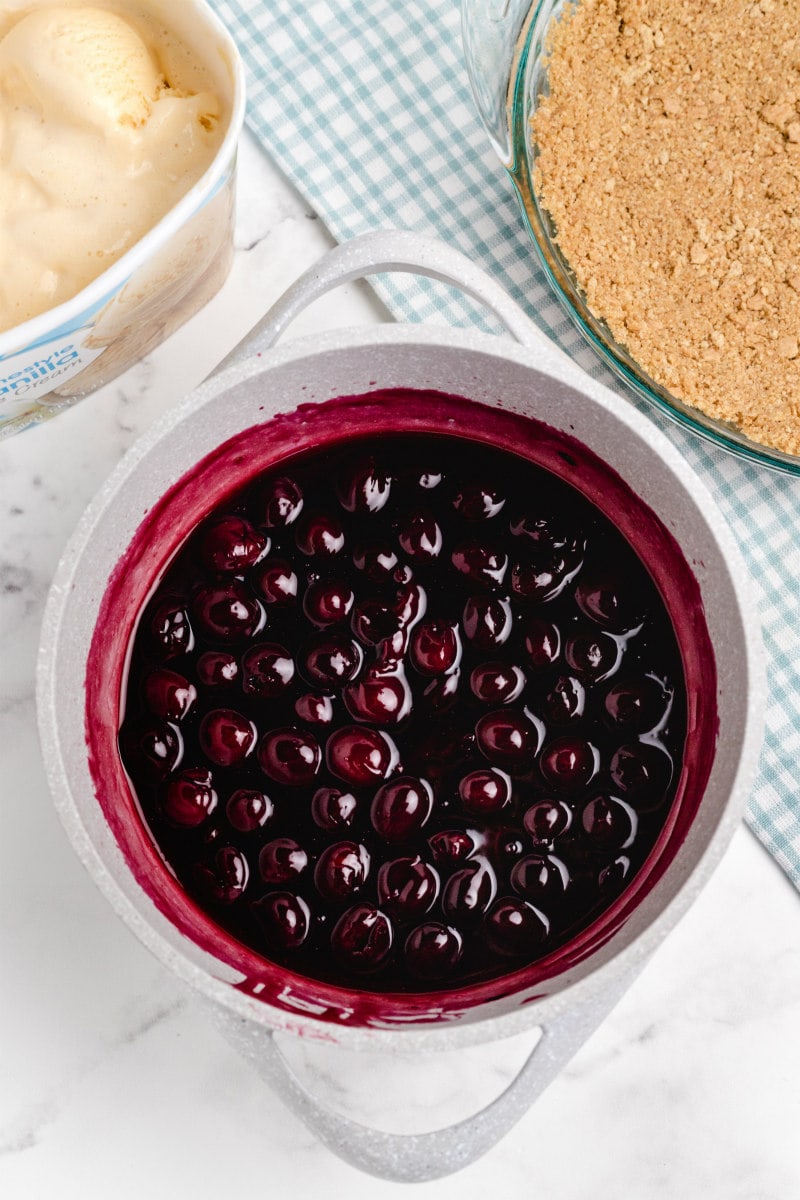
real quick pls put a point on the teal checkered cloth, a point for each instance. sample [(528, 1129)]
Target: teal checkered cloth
[(365, 106)]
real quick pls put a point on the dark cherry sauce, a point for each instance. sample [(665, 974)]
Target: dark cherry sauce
[(405, 714)]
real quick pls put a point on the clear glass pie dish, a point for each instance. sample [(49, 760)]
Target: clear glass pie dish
[(505, 44)]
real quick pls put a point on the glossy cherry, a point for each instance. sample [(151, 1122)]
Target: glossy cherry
[(569, 763), (565, 701), (430, 479), (381, 695), (230, 543), (509, 737), (401, 808), (275, 582), (637, 705), (497, 682), (420, 536), (171, 629), (540, 877), (333, 808), (614, 874), (316, 709), (478, 502), (547, 820), (373, 621), (224, 877), (168, 694), (157, 747), (435, 647), (362, 937), (332, 659), (480, 563), (545, 533), (514, 927), (283, 503), (487, 621), (378, 561), (320, 535), (451, 846), (227, 612), (541, 581), (190, 798), (359, 755), (365, 488), (442, 692), (432, 950), (284, 919), (282, 860), (641, 773), (469, 892), (226, 736), (341, 871), (594, 655), (485, 791), (290, 755), (217, 668), (248, 809), (267, 670), (542, 642), (609, 821), (606, 600), (407, 887), (328, 601)]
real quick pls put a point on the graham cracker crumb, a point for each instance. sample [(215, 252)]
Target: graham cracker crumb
[(669, 161)]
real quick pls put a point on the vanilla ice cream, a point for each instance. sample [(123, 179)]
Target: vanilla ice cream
[(105, 122)]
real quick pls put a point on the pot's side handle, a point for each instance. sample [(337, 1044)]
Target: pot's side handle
[(376, 253), (414, 1158)]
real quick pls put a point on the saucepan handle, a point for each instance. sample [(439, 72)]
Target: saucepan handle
[(377, 253), (414, 1158)]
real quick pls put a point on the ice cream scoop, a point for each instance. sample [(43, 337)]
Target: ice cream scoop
[(83, 65), (99, 140)]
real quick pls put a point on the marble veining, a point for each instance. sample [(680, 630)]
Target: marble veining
[(112, 1080)]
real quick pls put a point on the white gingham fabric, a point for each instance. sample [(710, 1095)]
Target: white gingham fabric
[(365, 106)]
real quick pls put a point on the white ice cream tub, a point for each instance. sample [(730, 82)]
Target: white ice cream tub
[(55, 359)]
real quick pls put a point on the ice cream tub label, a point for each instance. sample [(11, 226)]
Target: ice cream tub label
[(37, 371)]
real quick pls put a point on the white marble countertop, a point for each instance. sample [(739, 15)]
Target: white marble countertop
[(113, 1084)]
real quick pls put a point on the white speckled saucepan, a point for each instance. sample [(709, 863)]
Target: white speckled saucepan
[(266, 402)]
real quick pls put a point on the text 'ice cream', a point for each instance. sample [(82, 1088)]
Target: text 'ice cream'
[(106, 120)]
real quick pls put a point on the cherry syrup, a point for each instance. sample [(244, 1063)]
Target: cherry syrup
[(405, 713)]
